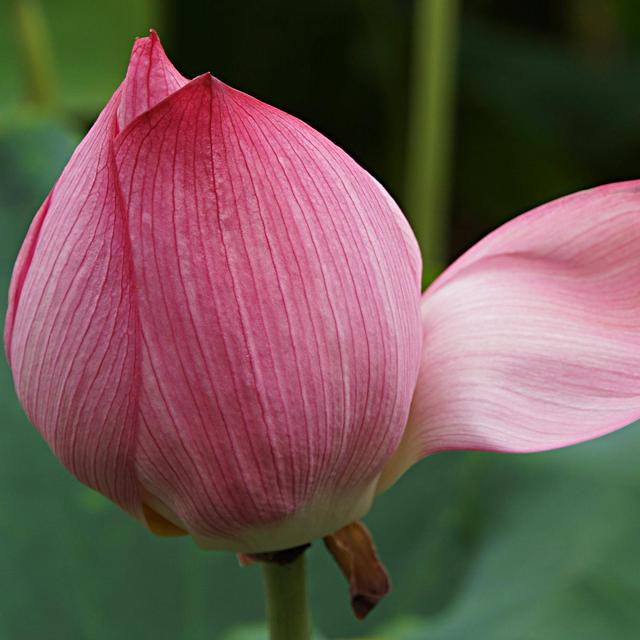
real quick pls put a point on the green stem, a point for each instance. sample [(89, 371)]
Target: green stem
[(430, 127), (36, 52), (287, 603)]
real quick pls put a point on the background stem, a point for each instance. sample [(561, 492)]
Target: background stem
[(287, 602), (430, 128), (36, 52)]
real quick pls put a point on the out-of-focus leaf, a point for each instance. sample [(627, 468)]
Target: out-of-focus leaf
[(559, 556), (257, 632), (91, 43), (247, 632), (32, 155), (402, 627)]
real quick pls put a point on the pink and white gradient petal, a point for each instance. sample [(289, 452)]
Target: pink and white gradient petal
[(532, 338), (71, 334)]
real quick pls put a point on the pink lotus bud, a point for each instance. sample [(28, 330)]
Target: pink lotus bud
[(214, 319)]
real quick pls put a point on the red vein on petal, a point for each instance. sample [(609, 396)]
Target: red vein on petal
[(162, 288), (287, 317), (286, 226)]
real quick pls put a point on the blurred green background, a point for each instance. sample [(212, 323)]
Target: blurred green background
[(469, 113)]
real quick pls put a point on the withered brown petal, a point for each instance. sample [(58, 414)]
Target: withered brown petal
[(160, 525), (353, 549)]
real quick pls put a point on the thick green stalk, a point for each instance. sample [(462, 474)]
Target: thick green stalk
[(430, 127), (287, 602)]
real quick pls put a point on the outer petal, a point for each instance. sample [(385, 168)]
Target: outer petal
[(71, 332), (532, 338), (278, 293)]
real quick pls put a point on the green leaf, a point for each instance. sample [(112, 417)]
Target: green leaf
[(257, 632), (247, 632), (558, 556)]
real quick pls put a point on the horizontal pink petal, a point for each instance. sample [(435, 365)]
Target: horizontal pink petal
[(532, 338), (278, 289), (71, 331)]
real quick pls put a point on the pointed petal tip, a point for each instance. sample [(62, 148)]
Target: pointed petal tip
[(151, 77), (145, 44), (153, 38), (205, 81), (203, 78)]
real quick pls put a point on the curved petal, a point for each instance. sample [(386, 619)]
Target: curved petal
[(20, 270), (71, 330), (532, 338), (279, 311)]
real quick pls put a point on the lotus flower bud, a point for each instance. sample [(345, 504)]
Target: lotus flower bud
[(214, 319)]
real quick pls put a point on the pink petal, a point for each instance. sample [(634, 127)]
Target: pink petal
[(278, 289), (532, 338), (71, 330), (216, 313), (150, 79), (20, 270)]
